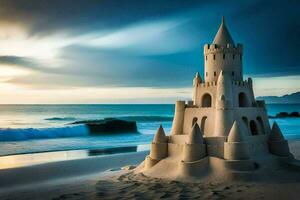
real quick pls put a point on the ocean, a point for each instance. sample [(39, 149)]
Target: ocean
[(46, 128)]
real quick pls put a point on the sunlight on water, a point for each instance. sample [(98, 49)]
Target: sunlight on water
[(22, 160)]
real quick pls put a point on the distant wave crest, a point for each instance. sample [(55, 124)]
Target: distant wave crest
[(147, 118), (19, 134), (60, 119)]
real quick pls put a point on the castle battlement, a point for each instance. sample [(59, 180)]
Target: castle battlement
[(208, 84), (214, 84), (229, 48), (242, 83)]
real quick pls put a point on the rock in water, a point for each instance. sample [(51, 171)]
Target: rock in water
[(109, 125), (294, 114), (285, 115)]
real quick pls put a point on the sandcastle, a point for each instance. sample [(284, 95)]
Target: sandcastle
[(223, 128)]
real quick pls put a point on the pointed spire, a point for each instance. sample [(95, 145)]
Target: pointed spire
[(276, 134), (160, 136), (197, 78), (195, 137), (223, 36), (235, 134)]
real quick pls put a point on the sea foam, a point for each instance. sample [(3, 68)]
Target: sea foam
[(19, 134)]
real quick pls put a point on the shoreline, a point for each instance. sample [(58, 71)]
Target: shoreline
[(102, 177)]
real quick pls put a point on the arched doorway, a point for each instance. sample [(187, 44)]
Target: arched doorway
[(203, 121), (261, 125), (206, 100), (253, 127), (195, 119), (243, 101)]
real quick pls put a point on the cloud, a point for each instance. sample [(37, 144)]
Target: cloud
[(19, 61), (276, 86), (157, 44)]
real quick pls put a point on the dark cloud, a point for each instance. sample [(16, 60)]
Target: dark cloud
[(45, 16), (269, 30), (18, 61)]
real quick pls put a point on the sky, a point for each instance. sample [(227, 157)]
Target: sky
[(78, 51)]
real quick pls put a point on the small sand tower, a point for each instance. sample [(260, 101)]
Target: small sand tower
[(159, 148), (194, 148), (277, 144), (223, 127), (236, 147), (236, 152)]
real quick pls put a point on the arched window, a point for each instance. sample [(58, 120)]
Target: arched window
[(232, 73), (214, 57), (253, 127), (215, 73), (205, 57), (195, 119), (261, 124), (223, 56), (243, 101), (233, 56), (206, 100), (203, 120)]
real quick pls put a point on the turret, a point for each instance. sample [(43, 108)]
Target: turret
[(224, 113), (197, 80), (159, 148), (194, 148), (236, 147), (224, 55), (160, 136), (277, 144), (196, 83), (224, 91), (177, 126)]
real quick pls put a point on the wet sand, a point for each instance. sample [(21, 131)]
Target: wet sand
[(125, 184)]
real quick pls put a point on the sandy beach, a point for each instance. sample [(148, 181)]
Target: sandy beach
[(105, 178)]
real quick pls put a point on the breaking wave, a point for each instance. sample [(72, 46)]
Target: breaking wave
[(19, 134)]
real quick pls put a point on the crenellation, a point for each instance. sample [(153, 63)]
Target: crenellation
[(215, 50)]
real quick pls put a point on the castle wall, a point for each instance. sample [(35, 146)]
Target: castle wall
[(209, 88), (257, 145), (242, 88), (238, 87), (205, 117)]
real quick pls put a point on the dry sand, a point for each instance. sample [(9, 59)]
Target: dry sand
[(124, 184)]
